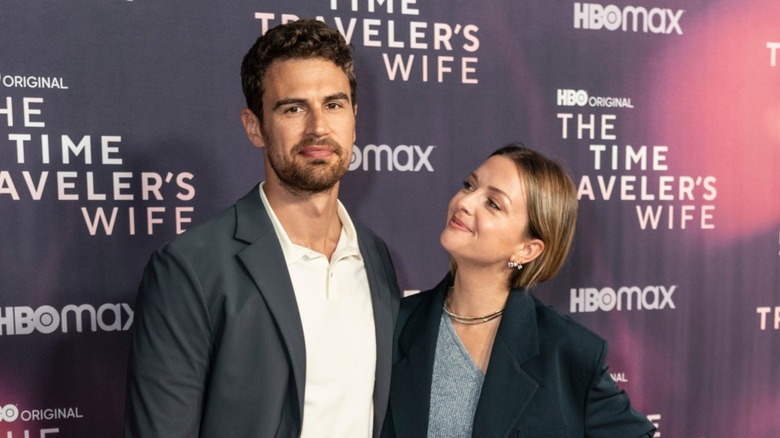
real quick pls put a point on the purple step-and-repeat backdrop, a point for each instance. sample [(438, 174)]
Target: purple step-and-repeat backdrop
[(119, 128)]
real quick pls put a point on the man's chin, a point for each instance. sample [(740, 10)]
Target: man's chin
[(316, 162), (317, 183), (310, 188)]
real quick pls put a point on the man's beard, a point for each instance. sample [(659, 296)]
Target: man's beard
[(310, 176)]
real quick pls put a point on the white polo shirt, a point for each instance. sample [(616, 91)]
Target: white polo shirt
[(334, 302)]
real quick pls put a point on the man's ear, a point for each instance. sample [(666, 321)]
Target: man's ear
[(354, 134), (253, 127)]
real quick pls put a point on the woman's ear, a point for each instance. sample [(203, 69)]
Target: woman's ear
[(529, 250)]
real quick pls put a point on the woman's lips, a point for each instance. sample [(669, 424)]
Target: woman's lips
[(458, 224)]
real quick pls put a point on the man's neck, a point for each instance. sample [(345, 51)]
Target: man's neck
[(309, 219)]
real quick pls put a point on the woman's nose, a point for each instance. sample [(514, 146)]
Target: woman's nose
[(466, 202)]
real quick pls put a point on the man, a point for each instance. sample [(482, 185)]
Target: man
[(274, 319)]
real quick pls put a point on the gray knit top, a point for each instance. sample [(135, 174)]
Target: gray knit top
[(457, 383)]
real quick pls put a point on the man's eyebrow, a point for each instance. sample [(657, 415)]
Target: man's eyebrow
[(299, 100), (337, 96), (288, 101)]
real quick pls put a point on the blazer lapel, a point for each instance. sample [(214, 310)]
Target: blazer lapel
[(508, 388), (382, 303), (413, 371), (264, 261)]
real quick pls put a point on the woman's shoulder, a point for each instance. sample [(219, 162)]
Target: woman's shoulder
[(434, 293), (561, 329), (420, 303), (413, 300), (412, 303)]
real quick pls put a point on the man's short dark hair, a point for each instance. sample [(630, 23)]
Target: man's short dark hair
[(301, 39)]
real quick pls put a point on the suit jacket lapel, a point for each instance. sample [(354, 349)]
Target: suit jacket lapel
[(382, 303), (264, 261), (413, 371), (508, 388)]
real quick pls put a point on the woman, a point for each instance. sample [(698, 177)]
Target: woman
[(477, 355)]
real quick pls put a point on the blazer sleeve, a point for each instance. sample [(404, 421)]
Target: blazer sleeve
[(170, 351), (608, 411)]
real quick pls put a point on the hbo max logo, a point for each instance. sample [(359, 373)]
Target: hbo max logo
[(402, 158), (607, 299), (9, 413)]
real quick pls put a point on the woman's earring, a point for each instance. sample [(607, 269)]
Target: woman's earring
[(513, 265)]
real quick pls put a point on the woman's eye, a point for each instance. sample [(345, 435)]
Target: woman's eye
[(493, 205), (467, 186)]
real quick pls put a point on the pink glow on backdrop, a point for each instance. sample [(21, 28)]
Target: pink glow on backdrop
[(10, 394), (716, 99)]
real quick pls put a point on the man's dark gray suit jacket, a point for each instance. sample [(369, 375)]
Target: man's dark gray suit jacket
[(218, 346)]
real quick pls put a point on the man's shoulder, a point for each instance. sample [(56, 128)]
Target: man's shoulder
[(219, 229)]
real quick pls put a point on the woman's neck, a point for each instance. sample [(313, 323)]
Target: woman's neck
[(474, 295)]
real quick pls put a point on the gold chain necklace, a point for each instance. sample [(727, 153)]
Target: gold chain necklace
[(470, 320)]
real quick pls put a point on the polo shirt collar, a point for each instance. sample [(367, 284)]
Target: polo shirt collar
[(347, 245)]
